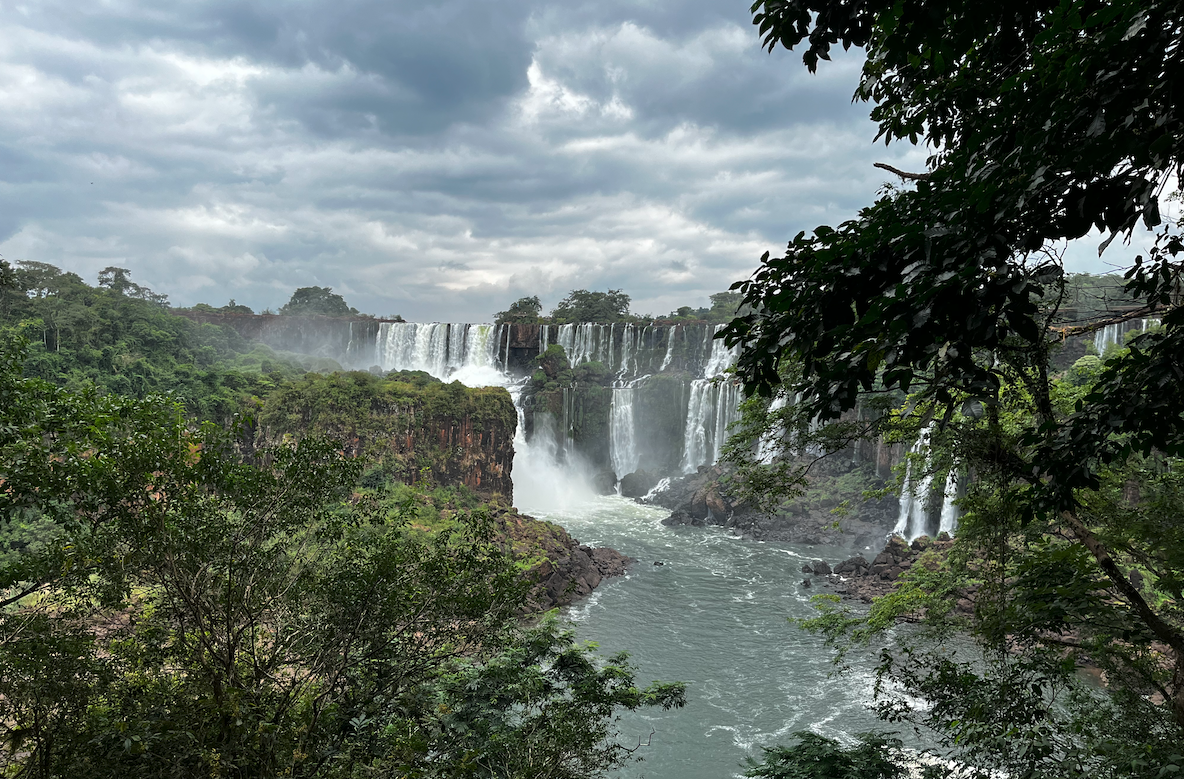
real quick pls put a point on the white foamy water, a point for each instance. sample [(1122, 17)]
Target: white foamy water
[(715, 615)]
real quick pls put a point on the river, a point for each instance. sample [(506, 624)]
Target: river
[(715, 615)]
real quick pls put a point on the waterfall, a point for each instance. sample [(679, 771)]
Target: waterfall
[(912, 520), (662, 485), (711, 409), (706, 403), (727, 411), (1110, 335), (917, 501), (622, 432), (467, 353), (949, 512), (669, 347), (694, 447), (770, 443), (720, 357)]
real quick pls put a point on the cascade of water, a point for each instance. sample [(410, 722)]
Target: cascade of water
[(544, 332), (662, 485), (669, 347), (1152, 321), (949, 511), (727, 411), (914, 495), (622, 432), (467, 353), (1110, 335), (505, 353), (720, 357), (769, 445), (694, 447), (711, 409), (626, 345), (544, 479)]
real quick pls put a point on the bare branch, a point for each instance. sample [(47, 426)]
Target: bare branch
[(904, 174)]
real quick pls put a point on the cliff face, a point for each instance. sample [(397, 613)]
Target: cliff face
[(413, 427)]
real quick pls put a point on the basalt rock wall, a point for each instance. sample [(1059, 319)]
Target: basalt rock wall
[(414, 428)]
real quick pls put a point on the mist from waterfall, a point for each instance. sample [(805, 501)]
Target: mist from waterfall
[(547, 470)]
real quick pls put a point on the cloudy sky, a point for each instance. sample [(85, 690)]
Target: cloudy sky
[(433, 159)]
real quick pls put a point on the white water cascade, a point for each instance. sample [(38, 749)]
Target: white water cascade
[(473, 354), (914, 495), (917, 501), (713, 406), (949, 510), (623, 432), (1114, 335), (1110, 335)]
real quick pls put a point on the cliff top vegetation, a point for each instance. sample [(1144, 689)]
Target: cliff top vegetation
[(120, 336)]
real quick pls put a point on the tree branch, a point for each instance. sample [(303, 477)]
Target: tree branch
[(904, 174), (1162, 630)]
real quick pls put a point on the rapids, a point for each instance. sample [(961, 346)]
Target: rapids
[(714, 615)]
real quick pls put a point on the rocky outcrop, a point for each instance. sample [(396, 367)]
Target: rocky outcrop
[(638, 484), (858, 579), (415, 428), (566, 570), (832, 511)]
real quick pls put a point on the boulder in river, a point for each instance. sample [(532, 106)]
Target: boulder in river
[(638, 483)]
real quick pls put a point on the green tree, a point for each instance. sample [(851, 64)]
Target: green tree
[(1044, 120), (235, 308), (316, 301), (580, 305), (816, 757), (522, 311), (175, 610)]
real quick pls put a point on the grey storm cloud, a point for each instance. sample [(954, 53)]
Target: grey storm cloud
[(434, 160)]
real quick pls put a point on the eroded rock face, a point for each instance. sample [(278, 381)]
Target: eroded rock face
[(419, 429)]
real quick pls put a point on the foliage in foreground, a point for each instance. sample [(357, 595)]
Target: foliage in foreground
[(171, 610), (1044, 121), (812, 756)]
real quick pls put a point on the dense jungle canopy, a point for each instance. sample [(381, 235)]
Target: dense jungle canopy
[(1043, 122)]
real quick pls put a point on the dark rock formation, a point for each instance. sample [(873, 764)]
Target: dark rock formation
[(867, 581), (637, 484), (568, 571), (703, 498), (604, 482)]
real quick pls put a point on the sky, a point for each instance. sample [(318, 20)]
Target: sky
[(436, 160)]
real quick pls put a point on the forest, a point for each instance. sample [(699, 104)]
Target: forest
[(195, 582)]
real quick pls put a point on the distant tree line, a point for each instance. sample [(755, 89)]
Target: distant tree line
[(582, 305)]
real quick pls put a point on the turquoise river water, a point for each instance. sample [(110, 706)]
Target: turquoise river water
[(716, 616)]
